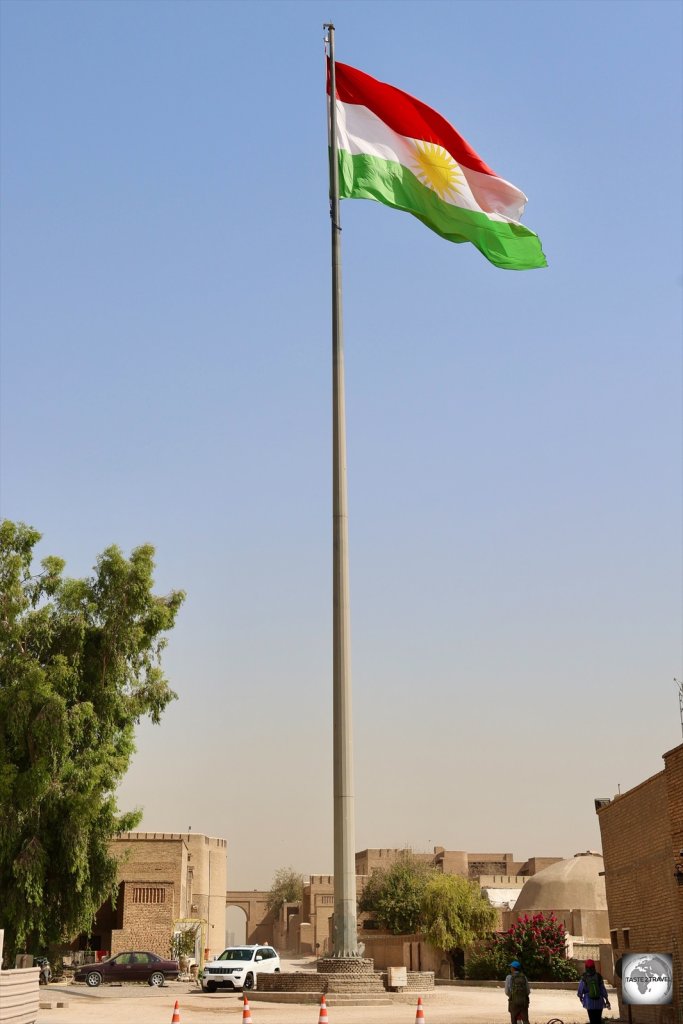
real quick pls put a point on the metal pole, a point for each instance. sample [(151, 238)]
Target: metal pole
[(345, 926)]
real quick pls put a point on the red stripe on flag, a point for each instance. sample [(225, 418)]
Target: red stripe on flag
[(404, 114)]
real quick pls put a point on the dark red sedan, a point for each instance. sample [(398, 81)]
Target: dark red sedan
[(129, 967)]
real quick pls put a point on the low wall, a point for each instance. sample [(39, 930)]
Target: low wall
[(567, 986), (417, 981), (307, 981), (298, 981), (344, 965), (19, 995)]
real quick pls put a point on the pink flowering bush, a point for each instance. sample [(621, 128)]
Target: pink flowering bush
[(538, 942)]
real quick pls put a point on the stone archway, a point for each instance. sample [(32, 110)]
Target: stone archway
[(236, 923), (260, 921)]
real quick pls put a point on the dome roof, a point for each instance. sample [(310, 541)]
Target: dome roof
[(573, 884)]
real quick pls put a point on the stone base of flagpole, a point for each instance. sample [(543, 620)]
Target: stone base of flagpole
[(338, 976), (346, 985), (351, 974), (348, 980)]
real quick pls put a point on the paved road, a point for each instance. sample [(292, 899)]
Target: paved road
[(138, 1004)]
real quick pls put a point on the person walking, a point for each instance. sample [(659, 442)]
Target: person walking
[(517, 991), (592, 993)]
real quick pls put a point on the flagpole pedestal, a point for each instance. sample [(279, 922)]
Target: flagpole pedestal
[(351, 981), (352, 975)]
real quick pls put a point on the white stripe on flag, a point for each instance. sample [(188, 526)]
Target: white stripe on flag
[(360, 131)]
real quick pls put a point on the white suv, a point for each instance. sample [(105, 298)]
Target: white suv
[(238, 966)]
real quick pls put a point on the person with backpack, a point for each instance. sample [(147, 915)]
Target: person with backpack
[(517, 991), (592, 993)]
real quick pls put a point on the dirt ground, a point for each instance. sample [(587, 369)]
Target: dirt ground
[(138, 1004)]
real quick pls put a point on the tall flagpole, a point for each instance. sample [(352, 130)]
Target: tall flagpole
[(345, 926)]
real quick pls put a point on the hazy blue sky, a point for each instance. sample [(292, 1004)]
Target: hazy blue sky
[(515, 464)]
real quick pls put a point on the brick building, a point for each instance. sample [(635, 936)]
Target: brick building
[(642, 840), (164, 878), (455, 862), (499, 875), (306, 928), (167, 878)]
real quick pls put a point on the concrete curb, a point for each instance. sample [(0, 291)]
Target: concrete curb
[(336, 998), (567, 986)]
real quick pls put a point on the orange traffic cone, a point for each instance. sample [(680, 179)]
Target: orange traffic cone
[(246, 1012), (175, 1019), (322, 1019), (420, 1015)]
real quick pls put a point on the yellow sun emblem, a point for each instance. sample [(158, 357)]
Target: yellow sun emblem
[(436, 168)]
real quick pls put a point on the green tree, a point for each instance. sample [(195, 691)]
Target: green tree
[(79, 667), (184, 941), (395, 895), (455, 912), (287, 887), (488, 964)]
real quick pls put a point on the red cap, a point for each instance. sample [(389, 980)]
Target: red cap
[(589, 963)]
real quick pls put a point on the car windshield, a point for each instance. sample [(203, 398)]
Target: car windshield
[(236, 954)]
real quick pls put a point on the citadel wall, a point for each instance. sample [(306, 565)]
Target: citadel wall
[(642, 839)]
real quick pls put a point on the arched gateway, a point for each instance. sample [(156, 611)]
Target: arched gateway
[(260, 921)]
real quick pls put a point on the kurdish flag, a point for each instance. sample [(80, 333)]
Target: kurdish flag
[(398, 151)]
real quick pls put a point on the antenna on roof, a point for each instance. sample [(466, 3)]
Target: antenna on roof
[(679, 684)]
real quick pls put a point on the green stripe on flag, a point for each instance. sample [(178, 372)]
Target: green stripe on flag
[(508, 245)]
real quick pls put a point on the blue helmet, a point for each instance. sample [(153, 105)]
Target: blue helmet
[(516, 964)]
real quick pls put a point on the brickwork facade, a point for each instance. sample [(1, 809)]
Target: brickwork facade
[(410, 951), (149, 913), (368, 861), (642, 836), (455, 862), (316, 910), (164, 878)]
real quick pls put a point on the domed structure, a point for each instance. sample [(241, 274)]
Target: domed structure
[(573, 884), (574, 890)]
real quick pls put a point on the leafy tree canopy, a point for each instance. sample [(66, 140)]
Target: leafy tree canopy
[(455, 912), (184, 941), (79, 667), (287, 887), (395, 895), (411, 896)]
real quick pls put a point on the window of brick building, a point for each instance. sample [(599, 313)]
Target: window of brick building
[(149, 894), (627, 937), (614, 939)]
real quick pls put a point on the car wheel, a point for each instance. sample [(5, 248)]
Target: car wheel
[(249, 981), (93, 979), (156, 979), (211, 986)]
